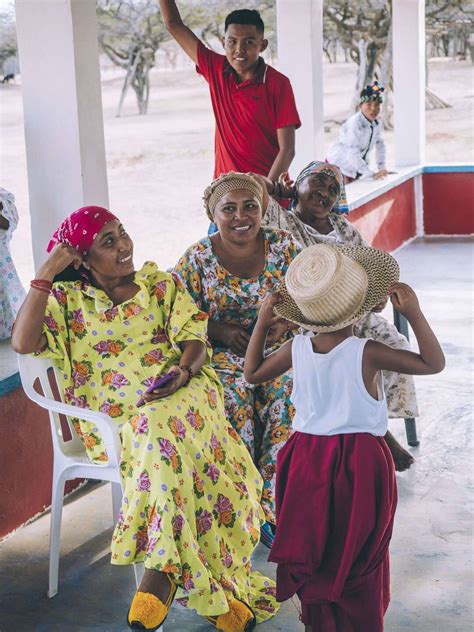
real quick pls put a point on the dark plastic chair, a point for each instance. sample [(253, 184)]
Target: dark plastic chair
[(401, 324)]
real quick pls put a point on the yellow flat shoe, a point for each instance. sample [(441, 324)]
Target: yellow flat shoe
[(147, 612), (239, 618)]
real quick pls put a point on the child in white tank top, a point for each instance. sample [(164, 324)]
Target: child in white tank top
[(336, 491)]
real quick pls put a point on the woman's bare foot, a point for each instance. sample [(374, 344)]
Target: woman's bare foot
[(156, 583), (402, 458)]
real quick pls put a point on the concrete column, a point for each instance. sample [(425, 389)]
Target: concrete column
[(300, 57), (65, 150), (409, 81)]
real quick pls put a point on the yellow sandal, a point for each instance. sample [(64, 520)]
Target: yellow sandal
[(147, 612), (239, 618)]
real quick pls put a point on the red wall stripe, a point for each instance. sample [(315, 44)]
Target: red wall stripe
[(26, 461), (448, 203), (389, 220)]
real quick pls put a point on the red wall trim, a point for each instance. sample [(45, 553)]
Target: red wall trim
[(448, 203), (26, 461), (389, 220)]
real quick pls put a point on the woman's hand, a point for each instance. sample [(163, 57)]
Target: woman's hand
[(282, 189), (27, 333), (265, 182), (404, 299), (236, 338), (60, 258), (181, 378), (287, 185)]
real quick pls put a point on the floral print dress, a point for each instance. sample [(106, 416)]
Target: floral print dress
[(399, 389), (11, 289), (191, 502), (262, 414)]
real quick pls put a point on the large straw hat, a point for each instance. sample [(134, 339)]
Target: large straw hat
[(329, 287)]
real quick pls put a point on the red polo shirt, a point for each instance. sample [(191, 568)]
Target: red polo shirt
[(247, 114)]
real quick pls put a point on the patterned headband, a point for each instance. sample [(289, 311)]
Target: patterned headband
[(230, 182)]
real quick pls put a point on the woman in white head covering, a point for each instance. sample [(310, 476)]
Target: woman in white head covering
[(11, 290)]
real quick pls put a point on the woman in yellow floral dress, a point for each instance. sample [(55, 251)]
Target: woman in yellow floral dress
[(191, 505)]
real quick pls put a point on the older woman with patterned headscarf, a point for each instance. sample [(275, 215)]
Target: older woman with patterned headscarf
[(229, 274), (191, 505), (318, 204)]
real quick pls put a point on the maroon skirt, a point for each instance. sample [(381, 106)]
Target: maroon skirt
[(335, 500)]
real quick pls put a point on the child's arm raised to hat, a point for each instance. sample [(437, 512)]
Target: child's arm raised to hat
[(286, 153), (428, 361), (180, 32), (257, 367)]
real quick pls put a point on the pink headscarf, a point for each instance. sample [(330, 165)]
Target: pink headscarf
[(81, 228)]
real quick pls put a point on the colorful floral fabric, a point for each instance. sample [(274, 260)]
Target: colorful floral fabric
[(11, 289), (399, 389), (191, 503), (262, 415)]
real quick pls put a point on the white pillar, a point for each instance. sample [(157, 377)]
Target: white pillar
[(409, 81), (65, 150), (300, 57)]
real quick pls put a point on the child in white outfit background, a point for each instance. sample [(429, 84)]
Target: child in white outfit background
[(358, 136)]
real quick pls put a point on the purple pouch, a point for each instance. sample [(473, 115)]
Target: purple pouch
[(158, 383)]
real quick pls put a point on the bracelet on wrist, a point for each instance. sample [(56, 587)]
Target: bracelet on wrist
[(42, 285), (186, 367), (43, 282)]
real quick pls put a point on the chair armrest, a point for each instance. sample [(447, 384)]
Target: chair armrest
[(104, 423), (400, 323)]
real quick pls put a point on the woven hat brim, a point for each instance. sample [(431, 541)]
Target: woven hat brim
[(382, 271)]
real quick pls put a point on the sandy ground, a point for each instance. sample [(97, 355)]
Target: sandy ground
[(159, 164), (431, 549)]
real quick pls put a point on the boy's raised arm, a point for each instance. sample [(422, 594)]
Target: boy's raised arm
[(180, 32)]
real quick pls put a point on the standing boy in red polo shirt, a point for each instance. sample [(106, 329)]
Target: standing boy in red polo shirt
[(253, 103)]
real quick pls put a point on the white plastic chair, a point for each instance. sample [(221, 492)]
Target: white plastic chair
[(70, 457)]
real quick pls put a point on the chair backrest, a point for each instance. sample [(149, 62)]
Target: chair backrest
[(42, 370)]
